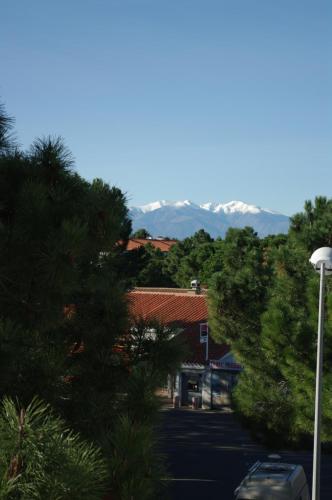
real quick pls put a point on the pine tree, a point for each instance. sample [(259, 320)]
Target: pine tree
[(313, 227), (146, 266), (141, 233), (42, 458), (284, 343), (238, 293), (62, 288), (7, 143), (270, 322), (63, 313)]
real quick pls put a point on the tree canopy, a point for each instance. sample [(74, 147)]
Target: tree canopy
[(63, 324), (141, 233), (264, 304)]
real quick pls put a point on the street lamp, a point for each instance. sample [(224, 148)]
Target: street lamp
[(321, 259)]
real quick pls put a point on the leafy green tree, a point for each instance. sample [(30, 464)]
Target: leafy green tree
[(289, 331), (267, 392), (263, 303), (201, 236), (247, 313), (310, 230), (313, 227), (141, 233), (188, 259), (174, 258), (194, 265), (154, 273), (262, 398), (238, 293), (145, 266), (213, 261)]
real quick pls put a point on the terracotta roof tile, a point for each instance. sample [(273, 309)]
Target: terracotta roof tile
[(187, 310), (163, 245)]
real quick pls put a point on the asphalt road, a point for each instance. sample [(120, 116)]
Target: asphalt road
[(208, 454)]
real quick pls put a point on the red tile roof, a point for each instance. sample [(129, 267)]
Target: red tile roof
[(185, 309), (163, 245)]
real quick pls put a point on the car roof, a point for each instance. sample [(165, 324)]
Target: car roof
[(272, 469)]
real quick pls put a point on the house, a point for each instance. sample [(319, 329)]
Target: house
[(209, 372), (164, 245)]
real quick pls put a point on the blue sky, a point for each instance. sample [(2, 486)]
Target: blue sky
[(208, 100)]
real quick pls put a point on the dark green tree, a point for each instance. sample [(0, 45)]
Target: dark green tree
[(188, 259), (238, 294), (141, 233), (136, 466), (264, 304), (62, 289), (267, 392), (313, 227), (154, 272), (63, 303), (201, 236), (146, 266), (7, 142), (195, 265), (42, 458)]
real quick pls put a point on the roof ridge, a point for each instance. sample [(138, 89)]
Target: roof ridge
[(168, 290), (202, 296)]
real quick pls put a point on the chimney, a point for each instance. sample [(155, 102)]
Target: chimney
[(196, 286)]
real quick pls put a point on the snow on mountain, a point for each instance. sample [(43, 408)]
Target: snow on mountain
[(235, 207), (210, 206), (150, 207), (180, 219)]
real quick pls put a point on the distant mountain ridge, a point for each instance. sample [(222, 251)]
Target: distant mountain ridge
[(180, 219)]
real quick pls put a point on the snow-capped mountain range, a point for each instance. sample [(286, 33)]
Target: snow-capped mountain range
[(179, 219)]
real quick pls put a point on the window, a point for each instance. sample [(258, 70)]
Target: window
[(193, 385)]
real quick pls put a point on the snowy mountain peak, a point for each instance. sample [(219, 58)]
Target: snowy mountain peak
[(234, 207), (155, 205), (180, 219), (210, 206), (231, 207), (238, 206)]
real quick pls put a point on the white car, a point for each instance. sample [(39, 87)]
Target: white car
[(273, 481)]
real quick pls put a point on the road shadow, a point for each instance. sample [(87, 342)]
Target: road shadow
[(209, 452)]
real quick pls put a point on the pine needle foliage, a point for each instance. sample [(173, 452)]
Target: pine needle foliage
[(264, 304), (62, 287), (7, 143), (63, 315), (153, 351), (137, 468), (41, 458)]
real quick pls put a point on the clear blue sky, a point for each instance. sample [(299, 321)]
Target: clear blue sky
[(210, 100)]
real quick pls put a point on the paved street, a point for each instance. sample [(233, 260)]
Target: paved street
[(209, 453)]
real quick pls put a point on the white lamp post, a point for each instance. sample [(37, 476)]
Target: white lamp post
[(321, 259)]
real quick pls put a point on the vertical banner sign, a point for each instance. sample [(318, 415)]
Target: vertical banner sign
[(203, 332), (204, 338)]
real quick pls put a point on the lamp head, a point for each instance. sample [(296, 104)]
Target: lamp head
[(322, 255)]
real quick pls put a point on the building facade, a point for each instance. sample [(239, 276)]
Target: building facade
[(210, 371)]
